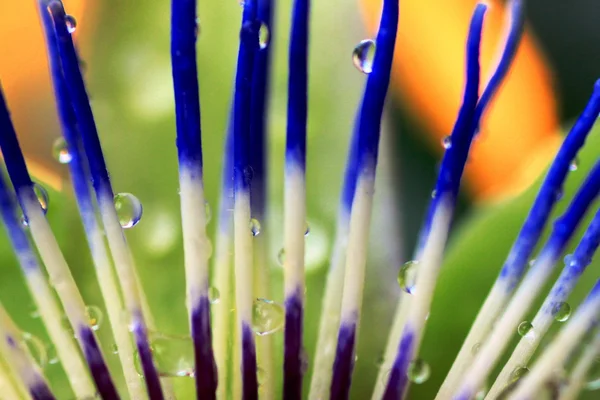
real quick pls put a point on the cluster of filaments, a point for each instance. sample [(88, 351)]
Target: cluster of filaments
[(245, 366)]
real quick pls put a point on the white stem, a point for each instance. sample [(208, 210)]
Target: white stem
[(114, 307), (356, 252), (530, 342), (294, 223), (505, 327), (493, 305), (222, 341), (11, 389), (19, 361), (559, 350), (264, 345), (330, 315), (133, 294), (61, 279), (580, 372), (243, 261)]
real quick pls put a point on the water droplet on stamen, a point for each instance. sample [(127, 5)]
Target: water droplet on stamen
[(94, 315), (525, 328), (561, 311), (264, 36), (42, 196), (306, 230), (418, 371), (518, 373), (281, 257), (129, 209), (71, 23), (60, 151), (475, 349), (574, 165), (447, 142), (197, 28), (214, 296), (363, 56), (36, 348), (267, 317), (115, 349), (433, 194), (254, 227), (173, 355), (407, 276)]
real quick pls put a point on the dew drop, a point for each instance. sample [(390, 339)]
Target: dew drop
[(518, 373), (261, 376), (525, 329), (561, 311), (306, 230), (214, 296), (114, 349), (60, 151), (42, 196), (173, 355), (433, 194), (129, 209), (264, 36), (267, 317), (407, 276), (363, 55), (568, 260), (574, 165), (255, 227), (447, 142), (94, 315), (418, 371), (475, 349), (36, 348), (71, 23), (197, 28), (281, 256)]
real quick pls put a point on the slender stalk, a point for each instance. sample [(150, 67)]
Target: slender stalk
[(258, 189), (557, 297), (567, 340), (584, 364), (224, 342), (20, 361), (94, 235), (242, 175), (10, 389), (51, 255), (294, 219), (532, 283), (361, 200), (125, 267), (432, 243), (523, 247), (197, 247)]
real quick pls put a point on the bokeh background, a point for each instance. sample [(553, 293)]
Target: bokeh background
[(125, 47)]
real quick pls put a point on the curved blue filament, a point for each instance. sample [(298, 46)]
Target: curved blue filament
[(366, 148), (549, 193), (295, 158), (511, 44), (189, 145), (97, 166), (242, 97), (455, 158), (258, 114), (185, 85), (297, 111), (447, 187)]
